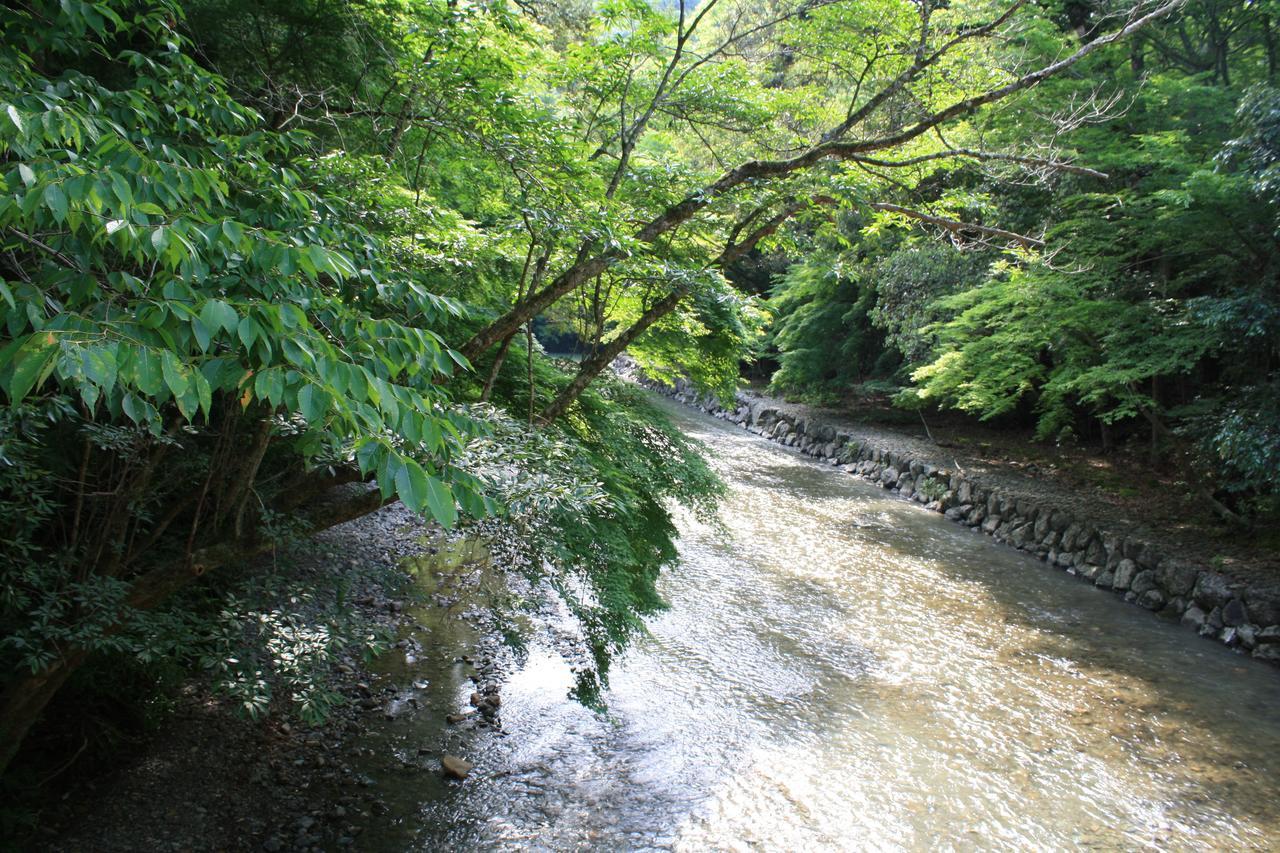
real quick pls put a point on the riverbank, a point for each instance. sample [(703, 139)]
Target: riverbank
[(1166, 571), (209, 779)]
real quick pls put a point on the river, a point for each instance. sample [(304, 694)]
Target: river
[(842, 669)]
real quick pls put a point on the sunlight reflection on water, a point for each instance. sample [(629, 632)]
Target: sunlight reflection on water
[(841, 669)]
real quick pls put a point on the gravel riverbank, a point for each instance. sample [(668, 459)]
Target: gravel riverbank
[(209, 779)]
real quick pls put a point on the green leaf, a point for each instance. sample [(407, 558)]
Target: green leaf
[(248, 330), (14, 117), (203, 392), (29, 364), (56, 201), (148, 372), (313, 403), (440, 502), (412, 485), (28, 176), (218, 314), (176, 374), (201, 331)]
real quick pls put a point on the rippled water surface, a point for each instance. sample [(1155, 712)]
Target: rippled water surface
[(842, 669)]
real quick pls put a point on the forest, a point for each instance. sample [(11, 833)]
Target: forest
[(269, 266)]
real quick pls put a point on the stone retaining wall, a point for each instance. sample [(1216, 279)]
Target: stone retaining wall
[(1245, 618)]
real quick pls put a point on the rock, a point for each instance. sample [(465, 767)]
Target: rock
[(1124, 574), (1148, 557), (1194, 617), (1212, 590), (1066, 559), (1021, 535), (989, 526), (1106, 580), (1069, 538), (1176, 577), (1143, 581), (1270, 634), (458, 717), (1213, 622), (1269, 652), (1234, 613), (456, 768), (1248, 635), (477, 699), (1152, 599), (1264, 607)]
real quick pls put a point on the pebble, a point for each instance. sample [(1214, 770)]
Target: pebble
[(456, 768)]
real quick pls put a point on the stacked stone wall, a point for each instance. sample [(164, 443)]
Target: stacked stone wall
[(1202, 599)]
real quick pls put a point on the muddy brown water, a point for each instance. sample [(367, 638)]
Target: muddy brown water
[(841, 669)]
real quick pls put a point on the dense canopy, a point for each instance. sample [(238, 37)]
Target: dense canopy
[(266, 266)]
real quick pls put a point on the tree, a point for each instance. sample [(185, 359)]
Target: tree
[(196, 340), (896, 81)]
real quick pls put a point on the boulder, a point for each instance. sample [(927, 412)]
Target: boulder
[(1269, 652), (1152, 599), (1264, 606), (1125, 570), (1070, 537), (1095, 552), (1212, 590), (1176, 577), (1194, 617), (1234, 613), (1143, 581), (1148, 557)]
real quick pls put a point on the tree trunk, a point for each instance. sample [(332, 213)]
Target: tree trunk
[(591, 367), (497, 367)]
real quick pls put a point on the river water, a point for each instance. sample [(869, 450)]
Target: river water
[(841, 669)]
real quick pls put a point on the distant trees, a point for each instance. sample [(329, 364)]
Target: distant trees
[(1150, 311)]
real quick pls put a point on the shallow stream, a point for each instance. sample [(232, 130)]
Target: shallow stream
[(842, 669)]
